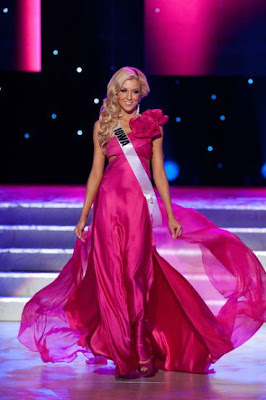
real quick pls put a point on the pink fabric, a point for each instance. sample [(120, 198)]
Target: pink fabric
[(122, 294)]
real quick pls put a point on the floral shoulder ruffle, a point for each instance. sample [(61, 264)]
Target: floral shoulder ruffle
[(148, 123)]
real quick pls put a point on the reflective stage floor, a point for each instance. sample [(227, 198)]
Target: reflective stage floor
[(239, 375)]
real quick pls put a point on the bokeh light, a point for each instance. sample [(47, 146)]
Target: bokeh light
[(263, 170), (172, 170)]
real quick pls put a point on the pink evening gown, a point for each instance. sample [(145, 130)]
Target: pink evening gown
[(117, 297)]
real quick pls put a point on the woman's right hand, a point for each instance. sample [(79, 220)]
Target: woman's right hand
[(79, 228)]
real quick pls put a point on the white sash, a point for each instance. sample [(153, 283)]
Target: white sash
[(140, 174)]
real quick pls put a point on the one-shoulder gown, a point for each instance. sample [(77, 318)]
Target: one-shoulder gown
[(122, 294)]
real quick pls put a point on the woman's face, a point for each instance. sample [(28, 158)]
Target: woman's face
[(129, 95)]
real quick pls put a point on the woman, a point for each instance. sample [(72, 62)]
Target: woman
[(117, 297)]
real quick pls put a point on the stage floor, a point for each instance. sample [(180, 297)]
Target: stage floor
[(239, 375)]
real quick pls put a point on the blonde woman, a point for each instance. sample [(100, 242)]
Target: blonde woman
[(117, 298)]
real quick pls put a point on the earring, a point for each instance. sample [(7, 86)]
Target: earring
[(138, 109)]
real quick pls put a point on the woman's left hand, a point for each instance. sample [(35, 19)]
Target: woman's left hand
[(175, 227)]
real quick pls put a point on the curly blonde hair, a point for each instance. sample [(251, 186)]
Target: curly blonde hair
[(111, 110)]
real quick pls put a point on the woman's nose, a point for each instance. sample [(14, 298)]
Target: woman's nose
[(129, 95)]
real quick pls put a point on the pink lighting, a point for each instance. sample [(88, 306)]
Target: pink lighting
[(28, 25), (186, 37)]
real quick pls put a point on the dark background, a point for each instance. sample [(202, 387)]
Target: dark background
[(101, 37)]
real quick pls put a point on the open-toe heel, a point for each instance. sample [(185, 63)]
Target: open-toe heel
[(146, 368)]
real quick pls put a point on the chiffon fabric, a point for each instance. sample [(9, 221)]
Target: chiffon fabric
[(123, 294)]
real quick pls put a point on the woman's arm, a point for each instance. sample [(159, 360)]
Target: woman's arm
[(161, 182), (93, 181)]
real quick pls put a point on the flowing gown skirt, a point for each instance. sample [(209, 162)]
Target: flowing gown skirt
[(123, 295)]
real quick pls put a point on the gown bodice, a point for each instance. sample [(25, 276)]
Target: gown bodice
[(143, 146), (145, 128)]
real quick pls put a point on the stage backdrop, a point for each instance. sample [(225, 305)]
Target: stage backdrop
[(205, 37), (20, 35), (216, 134)]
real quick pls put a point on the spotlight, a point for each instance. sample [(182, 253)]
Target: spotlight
[(263, 170), (53, 116), (79, 70), (172, 170), (222, 117), (157, 10), (177, 81), (178, 119), (213, 97), (55, 52), (250, 81), (210, 148), (79, 132), (27, 135), (96, 101), (5, 10), (219, 165)]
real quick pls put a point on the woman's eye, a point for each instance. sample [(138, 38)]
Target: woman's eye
[(125, 90)]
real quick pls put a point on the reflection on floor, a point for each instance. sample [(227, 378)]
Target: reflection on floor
[(239, 375)]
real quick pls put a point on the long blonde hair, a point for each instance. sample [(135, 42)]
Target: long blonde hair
[(111, 110)]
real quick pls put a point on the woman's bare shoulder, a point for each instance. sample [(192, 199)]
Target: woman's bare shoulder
[(96, 128), (97, 124)]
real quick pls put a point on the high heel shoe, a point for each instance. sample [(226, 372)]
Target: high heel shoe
[(147, 369)]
